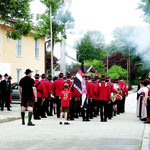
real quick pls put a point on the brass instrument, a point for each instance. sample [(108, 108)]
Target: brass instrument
[(114, 95)]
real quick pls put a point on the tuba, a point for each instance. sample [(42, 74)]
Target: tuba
[(115, 95)]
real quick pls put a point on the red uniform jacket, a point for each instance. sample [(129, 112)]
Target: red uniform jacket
[(123, 87), (71, 87), (103, 91), (65, 97), (50, 88), (96, 96), (90, 90), (58, 86), (40, 89), (112, 89), (46, 88)]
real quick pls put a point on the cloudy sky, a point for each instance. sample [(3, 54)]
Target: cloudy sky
[(101, 15)]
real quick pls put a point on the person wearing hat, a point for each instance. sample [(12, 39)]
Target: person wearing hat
[(40, 97), (113, 90), (103, 92), (124, 88), (28, 94), (45, 103), (6, 90), (1, 89), (58, 86), (51, 99)]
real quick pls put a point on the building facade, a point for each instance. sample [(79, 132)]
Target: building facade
[(18, 55)]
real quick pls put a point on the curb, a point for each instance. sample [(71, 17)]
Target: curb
[(146, 138), (9, 119)]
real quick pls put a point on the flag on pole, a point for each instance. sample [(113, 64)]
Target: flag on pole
[(80, 84)]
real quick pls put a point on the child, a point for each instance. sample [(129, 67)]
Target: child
[(65, 97)]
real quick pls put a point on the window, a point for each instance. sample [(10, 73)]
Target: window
[(19, 74), (37, 49), (37, 71), (8, 39), (19, 48)]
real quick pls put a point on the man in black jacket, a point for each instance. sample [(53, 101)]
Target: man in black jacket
[(6, 90)]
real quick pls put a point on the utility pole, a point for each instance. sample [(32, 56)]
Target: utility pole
[(107, 65), (51, 35)]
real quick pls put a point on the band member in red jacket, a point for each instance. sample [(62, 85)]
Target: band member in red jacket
[(72, 101), (44, 108), (124, 88), (112, 90), (103, 91), (90, 95), (51, 99), (57, 87), (40, 97)]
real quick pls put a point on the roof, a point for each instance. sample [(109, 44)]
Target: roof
[(74, 69)]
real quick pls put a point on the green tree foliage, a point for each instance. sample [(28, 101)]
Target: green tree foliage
[(61, 20), (91, 46), (17, 14), (145, 7), (117, 71), (97, 64)]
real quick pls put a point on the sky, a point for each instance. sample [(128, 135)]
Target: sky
[(100, 15)]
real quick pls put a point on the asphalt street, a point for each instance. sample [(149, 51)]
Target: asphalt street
[(124, 132)]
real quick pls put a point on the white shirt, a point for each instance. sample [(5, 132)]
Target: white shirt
[(143, 90)]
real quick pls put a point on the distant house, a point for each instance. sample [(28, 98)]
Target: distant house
[(89, 70), (18, 55)]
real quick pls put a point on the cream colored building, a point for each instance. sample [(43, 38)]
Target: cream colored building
[(18, 55)]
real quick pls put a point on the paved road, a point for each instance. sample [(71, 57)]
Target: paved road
[(122, 133)]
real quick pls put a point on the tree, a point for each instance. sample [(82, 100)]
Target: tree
[(60, 20), (91, 46), (48, 61), (119, 59), (97, 64), (145, 7), (17, 14), (117, 71)]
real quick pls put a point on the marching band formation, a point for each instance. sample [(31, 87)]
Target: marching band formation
[(48, 96), (105, 98)]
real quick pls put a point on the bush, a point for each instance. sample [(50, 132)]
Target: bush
[(117, 71)]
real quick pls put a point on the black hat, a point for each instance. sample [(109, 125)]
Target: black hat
[(6, 75), (10, 78), (103, 77), (121, 78), (37, 76), (28, 71), (43, 76), (69, 75), (61, 75), (49, 77)]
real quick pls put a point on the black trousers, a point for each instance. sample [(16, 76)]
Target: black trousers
[(91, 108), (122, 104), (110, 110), (51, 106), (148, 107), (85, 113), (6, 100), (103, 105), (44, 107), (77, 108), (58, 103), (72, 108), (140, 109), (37, 108)]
